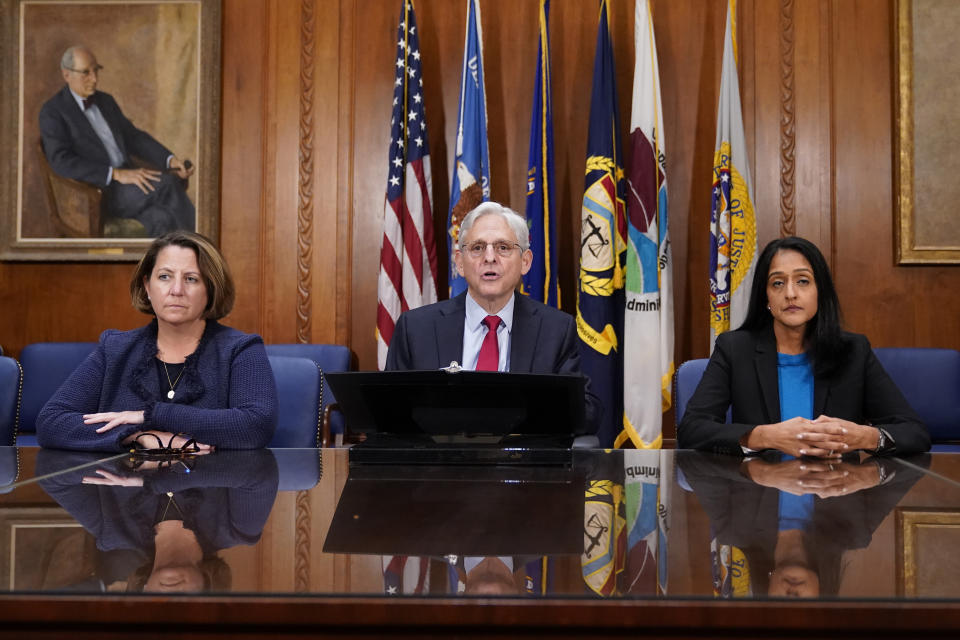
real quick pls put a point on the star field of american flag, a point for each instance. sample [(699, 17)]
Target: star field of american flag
[(408, 136), (408, 253)]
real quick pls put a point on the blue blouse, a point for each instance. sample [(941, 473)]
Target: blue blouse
[(795, 376)]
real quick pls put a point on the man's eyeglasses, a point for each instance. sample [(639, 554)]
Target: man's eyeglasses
[(477, 250), (96, 69)]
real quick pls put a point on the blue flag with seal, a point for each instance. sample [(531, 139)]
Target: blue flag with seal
[(540, 283), (471, 176), (603, 243)]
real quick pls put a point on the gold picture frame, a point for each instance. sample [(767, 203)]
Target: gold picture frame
[(162, 64), (926, 229), (924, 568), (43, 548)]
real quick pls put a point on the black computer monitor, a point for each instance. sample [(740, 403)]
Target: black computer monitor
[(462, 406)]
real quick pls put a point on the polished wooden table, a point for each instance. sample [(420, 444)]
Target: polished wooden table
[(296, 543)]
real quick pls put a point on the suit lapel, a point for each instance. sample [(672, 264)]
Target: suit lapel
[(523, 338), (765, 363), (450, 330)]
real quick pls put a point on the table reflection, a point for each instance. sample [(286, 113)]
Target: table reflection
[(780, 526), (160, 524)]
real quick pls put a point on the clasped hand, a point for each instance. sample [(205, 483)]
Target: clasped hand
[(825, 479), (824, 437)]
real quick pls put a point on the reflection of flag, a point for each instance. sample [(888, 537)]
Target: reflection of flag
[(540, 283), (648, 321), (603, 242), (731, 571), (733, 225), (648, 476), (538, 574), (405, 574), (604, 537), (471, 176), (408, 255)]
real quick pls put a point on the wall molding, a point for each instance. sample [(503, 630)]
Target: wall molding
[(788, 130), (305, 181)]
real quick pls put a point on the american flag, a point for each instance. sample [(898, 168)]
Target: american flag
[(408, 253)]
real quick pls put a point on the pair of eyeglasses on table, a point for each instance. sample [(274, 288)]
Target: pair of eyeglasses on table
[(150, 448)]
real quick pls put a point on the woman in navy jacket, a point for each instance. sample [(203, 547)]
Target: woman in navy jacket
[(183, 373), (795, 381)]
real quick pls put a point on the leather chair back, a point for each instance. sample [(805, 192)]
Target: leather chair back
[(329, 357), (11, 387), (685, 383), (298, 399), (930, 381), (46, 365)]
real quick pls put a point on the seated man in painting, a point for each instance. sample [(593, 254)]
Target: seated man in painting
[(86, 137)]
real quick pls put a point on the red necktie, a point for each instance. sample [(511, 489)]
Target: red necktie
[(87, 103), (489, 357)]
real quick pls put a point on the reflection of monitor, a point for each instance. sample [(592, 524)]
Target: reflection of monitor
[(445, 406), (464, 510)]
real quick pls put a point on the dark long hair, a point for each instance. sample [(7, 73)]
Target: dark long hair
[(824, 342)]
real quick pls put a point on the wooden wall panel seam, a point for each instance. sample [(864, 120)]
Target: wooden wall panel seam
[(305, 183), (788, 219), (345, 152), (264, 254), (830, 21)]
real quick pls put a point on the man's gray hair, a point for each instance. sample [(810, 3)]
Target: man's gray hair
[(517, 222), (66, 60)]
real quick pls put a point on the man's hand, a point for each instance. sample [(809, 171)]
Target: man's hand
[(143, 178), (182, 171)]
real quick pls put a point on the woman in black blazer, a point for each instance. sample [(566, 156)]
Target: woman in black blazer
[(794, 310)]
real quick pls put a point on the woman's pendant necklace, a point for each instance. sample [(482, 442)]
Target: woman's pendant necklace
[(172, 383)]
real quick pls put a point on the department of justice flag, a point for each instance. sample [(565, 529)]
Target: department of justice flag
[(733, 224), (648, 319), (471, 163), (541, 282), (603, 244), (408, 254)]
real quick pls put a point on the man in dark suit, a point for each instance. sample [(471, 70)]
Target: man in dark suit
[(86, 137), (490, 326)]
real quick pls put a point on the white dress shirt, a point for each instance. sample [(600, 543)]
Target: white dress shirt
[(474, 331)]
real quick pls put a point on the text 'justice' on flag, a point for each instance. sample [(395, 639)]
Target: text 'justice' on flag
[(408, 254), (733, 224)]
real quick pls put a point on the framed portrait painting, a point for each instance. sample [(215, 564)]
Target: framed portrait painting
[(928, 132), (110, 125)]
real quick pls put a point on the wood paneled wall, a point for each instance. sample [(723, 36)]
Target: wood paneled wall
[(305, 118)]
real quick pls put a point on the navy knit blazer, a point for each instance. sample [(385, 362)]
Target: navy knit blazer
[(226, 396)]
